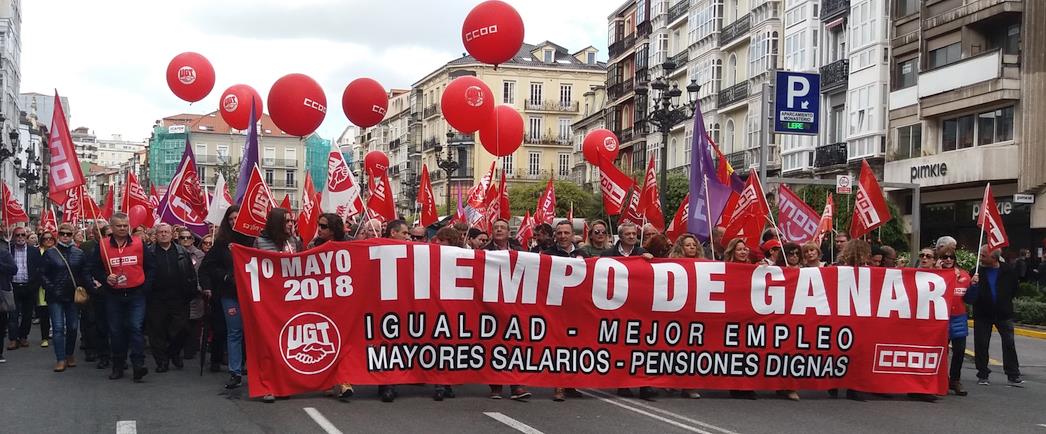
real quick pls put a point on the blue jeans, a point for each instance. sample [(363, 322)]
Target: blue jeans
[(126, 314), (64, 323), (234, 326)]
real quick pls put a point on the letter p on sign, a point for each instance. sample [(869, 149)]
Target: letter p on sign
[(798, 87)]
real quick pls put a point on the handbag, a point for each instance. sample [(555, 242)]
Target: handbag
[(7, 301), (80, 295)]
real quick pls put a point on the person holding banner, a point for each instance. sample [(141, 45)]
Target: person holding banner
[(543, 238), (501, 241), (62, 272), (927, 258), (811, 253), (216, 277), (737, 251), (991, 293), (565, 247), (687, 246), (957, 319), (790, 256), (124, 268), (628, 245), (477, 238), (598, 239)]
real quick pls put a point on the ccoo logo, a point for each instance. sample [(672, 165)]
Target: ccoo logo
[(482, 31), (310, 343), (315, 105), (230, 102), (187, 75)]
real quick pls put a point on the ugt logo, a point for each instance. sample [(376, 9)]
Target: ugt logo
[(230, 102), (187, 75), (310, 343)]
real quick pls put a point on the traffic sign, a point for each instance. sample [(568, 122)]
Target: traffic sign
[(1023, 198), (844, 184), (797, 103)]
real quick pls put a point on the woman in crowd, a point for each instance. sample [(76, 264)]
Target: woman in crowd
[(599, 239), (63, 271), (687, 246), (329, 227), (197, 307), (957, 317), (737, 251), (47, 242), (216, 276), (856, 253), (771, 249), (811, 253), (447, 236), (657, 245), (206, 243), (927, 258), (790, 256)]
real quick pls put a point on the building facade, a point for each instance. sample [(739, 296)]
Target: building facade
[(593, 112), (10, 80), (392, 136), (962, 115)]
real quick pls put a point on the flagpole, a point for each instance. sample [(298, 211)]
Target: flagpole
[(831, 243), (708, 218), (977, 267)]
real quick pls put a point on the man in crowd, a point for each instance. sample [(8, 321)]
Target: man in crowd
[(649, 231), (628, 245), (991, 294), (841, 239), (477, 238), (397, 230), (542, 238), (168, 302), (502, 241), (124, 268), (565, 247), (889, 256), (418, 234), (26, 285)]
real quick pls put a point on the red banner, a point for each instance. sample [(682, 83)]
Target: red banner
[(64, 167), (546, 209), (427, 213), (386, 312), (798, 222), (257, 202), (309, 214), (870, 208), (990, 221), (614, 185), (13, 212)]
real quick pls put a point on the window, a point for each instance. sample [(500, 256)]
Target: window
[(534, 168), (269, 175), (945, 55), (1006, 38), (957, 133), (836, 120), (709, 74), (641, 11), (508, 92), (863, 30), (223, 153), (549, 58), (564, 95), (201, 150), (753, 127), (728, 137), (708, 20), (289, 177), (591, 58), (995, 126), (862, 117), (906, 7), (661, 49), (291, 156), (795, 51), (269, 155), (732, 70), (906, 74), (201, 174), (762, 53), (688, 139), (534, 133), (564, 130), (909, 142), (564, 164), (535, 93), (507, 164)]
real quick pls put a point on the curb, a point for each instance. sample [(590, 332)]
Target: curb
[(1020, 331)]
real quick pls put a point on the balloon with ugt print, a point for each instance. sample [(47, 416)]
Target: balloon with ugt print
[(190, 76), (364, 102), (376, 163), (467, 103), (492, 32), (137, 216), (504, 131), (297, 104), (600, 141), (235, 105)]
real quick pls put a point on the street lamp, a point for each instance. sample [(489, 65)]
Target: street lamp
[(448, 165), (667, 113)]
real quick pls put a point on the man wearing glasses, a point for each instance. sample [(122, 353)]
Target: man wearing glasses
[(26, 283), (124, 267), (168, 302)]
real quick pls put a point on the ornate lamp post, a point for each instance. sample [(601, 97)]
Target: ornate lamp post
[(666, 113), (448, 165)]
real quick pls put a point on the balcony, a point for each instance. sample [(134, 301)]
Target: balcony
[(678, 11), (462, 138), (830, 155), (735, 30), (621, 46), (279, 162), (551, 106), (643, 29), (835, 75), (736, 160), (625, 135), (462, 172), (211, 159), (547, 139), (429, 143), (832, 9), (733, 94), (986, 78), (679, 60), (627, 86), (430, 111), (973, 9), (283, 183), (529, 175)]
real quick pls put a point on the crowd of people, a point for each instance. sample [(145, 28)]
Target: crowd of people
[(118, 289)]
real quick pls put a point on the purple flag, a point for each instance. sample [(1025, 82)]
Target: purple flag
[(185, 202), (708, 196), (250, 156)]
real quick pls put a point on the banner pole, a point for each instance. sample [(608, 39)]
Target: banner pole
[(708, 218), (980, 221)]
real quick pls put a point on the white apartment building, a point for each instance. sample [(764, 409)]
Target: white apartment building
[(114, 151), (392, 137), (802, 53)]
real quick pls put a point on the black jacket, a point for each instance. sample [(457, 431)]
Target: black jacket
[(512, 245), (7, 269), (216, 271), (558, 251), (98, 269), (615, 251), (33, 260), (186, 287), (59, 285), (980, 295)]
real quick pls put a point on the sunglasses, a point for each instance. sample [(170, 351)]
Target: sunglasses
[(599, 232), (185, 238), (20, 235), (65, 234), (323, 226), (417, 237), (793, 253), (925, 255), (952, 257)]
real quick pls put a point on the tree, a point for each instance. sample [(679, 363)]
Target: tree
[(231, 172), (524, 197)]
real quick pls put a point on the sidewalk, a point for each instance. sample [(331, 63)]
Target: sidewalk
[(1020, 330)]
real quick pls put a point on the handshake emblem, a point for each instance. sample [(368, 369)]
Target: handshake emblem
[(310, 342)]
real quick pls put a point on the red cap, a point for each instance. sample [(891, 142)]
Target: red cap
[(769, 244)]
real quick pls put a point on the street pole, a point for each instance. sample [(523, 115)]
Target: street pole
[(764, 138)]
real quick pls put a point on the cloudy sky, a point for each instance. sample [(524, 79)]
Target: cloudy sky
[(109, 56)]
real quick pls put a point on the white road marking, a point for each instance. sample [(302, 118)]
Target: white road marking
[(646, 413), (514, 424), (126, 427), (317, 417), (605, 397)]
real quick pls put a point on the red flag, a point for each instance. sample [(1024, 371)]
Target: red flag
[(286, 204), (526, 230), (506, 210), (826, 224), (478, 194), (723, 169), (133, 194), (990, 221), (797, 221), (13, 212), (498, 209), (71, 208), (570, 214), (614, 186), (632, 213), (254, 210), (459, 216), (427, 200), (546, 210), (870, 209), (48, 221), (380, 205), (342, 195), (107, 208), (91, 210), (64, 169), (678, 225), (309, 214), (750, 215), (650, 199)]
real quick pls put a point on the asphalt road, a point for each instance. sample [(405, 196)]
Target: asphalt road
[(33, 399)]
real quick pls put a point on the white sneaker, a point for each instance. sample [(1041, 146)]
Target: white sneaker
[(3, 360)]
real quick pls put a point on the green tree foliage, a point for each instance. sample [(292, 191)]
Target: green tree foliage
[(524, 197)]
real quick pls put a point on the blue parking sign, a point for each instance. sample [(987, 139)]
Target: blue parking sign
[(797, 103)]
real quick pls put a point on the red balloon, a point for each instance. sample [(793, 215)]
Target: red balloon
[(137, 216), (600, 141), (364, 102), (504, 132), (467, 104), (297, 104), (235, 105), (190, 76), (492, 32), (376, 163)]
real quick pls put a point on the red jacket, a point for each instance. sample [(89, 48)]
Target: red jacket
[(956, 305)]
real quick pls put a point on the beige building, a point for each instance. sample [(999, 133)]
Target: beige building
[(593, 112), (544, 82), (392, 136)]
